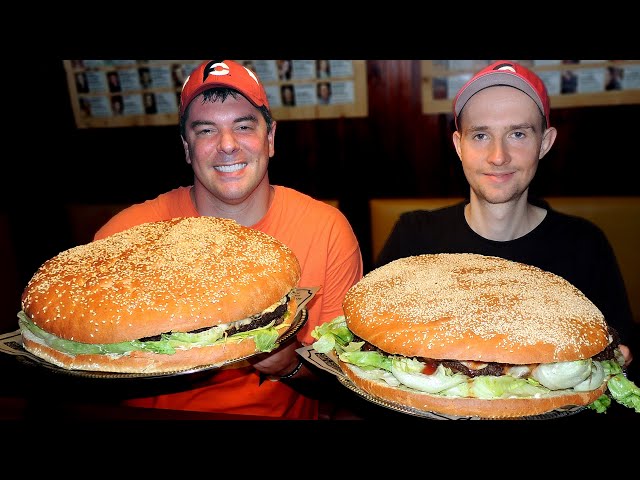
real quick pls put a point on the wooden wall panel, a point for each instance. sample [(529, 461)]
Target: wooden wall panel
[(395, 151)]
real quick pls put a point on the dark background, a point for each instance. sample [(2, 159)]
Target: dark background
[(396, 151)]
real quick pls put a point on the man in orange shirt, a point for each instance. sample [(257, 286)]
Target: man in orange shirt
[(228, 135)]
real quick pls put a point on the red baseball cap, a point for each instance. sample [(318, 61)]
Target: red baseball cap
[(504, 72), (223, 73)]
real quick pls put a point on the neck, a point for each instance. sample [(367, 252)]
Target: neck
[(502, 221), (247, 211)]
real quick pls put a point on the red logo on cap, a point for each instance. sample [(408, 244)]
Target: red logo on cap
[(506, 66), (223, 73), (221, 68)]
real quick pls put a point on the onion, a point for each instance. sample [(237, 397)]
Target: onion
[(561, 375)]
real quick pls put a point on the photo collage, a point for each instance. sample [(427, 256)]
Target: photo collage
[(147, 92), (569, 82)]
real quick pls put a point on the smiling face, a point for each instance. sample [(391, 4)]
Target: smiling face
[(228, 146), (323, 91), (500, 142)]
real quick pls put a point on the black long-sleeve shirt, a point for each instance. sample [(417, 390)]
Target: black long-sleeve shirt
[(569, 246)]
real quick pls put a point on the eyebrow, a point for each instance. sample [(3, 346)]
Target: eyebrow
[(523, 126), (517, 126), (246, 118)]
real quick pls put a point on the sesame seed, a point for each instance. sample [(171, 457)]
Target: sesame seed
[(431, 305), (135, 277)]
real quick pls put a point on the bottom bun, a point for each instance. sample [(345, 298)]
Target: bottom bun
[(499, 408), (139, 361)]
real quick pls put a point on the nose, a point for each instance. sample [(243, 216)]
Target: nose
[(228, 143), (498, 154)]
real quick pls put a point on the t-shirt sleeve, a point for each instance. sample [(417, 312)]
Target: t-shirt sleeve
[(343, 267)]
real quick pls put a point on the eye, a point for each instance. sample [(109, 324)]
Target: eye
[(245, 126), (204, 132), (480, 136)]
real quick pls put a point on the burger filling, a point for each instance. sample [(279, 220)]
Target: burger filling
[(456, 378), (261, 327)]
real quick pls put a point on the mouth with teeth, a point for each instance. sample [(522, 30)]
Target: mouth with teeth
[(230, 168)]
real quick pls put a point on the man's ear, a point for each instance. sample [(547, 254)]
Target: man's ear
[(548, 139), (456, 143), (272, 139), (185, 145)]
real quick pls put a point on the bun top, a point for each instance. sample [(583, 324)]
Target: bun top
[(174, 275), (463, 306)]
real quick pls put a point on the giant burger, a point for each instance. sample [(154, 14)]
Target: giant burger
[(468, 335), (160, 297)]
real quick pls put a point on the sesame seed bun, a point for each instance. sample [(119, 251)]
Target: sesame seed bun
[(474, 307), (146, 362), (468, 309), (179, 275)]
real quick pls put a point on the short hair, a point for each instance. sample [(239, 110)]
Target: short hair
[(221, 93)]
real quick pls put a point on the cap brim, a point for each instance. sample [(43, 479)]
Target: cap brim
[(494, 79)]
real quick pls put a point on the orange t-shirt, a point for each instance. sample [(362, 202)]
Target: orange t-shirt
[(330, 258)]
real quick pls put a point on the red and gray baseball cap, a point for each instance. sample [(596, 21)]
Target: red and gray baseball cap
[(504, 72), (223, 73)]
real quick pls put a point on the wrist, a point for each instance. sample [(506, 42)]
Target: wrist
[(293, 372)]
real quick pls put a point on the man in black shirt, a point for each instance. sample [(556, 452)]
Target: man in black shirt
[(502, 132)]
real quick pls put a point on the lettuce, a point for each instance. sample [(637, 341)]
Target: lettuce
[(624, 391), (370, 359), (546, 379), (334, 335), (505, 386), (408, 372), (264, 337)]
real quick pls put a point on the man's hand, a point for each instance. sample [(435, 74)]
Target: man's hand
[(279, 362), (626, 353)]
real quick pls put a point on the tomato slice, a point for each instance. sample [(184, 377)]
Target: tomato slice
[(429, 367)]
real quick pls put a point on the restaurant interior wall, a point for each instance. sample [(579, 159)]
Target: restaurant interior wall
[(396, 151)]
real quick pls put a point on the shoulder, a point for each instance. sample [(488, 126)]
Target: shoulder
[(574, 233), (306, 204), (438, 215), (572, 223), (151, 210), (310, 223), (292, 194)]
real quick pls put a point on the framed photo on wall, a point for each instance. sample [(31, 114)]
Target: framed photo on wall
[(126, 93), (570, 83)]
